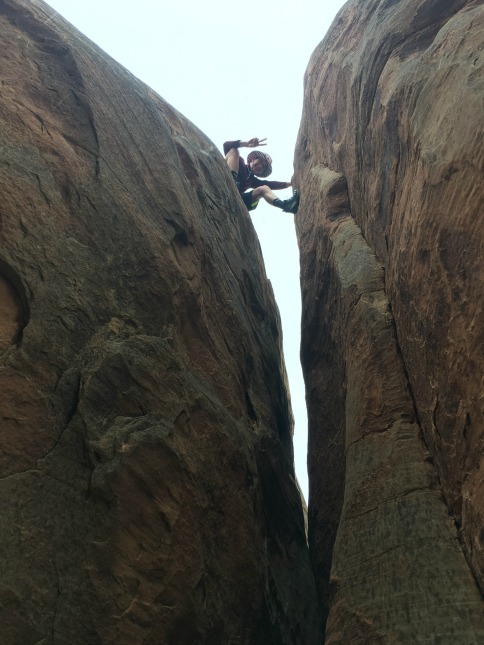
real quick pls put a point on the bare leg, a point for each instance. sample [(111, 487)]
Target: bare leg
[(232, 158), (265, 192), (290, 205)]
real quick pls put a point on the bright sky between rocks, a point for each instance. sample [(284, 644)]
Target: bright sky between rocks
[(236, 70)]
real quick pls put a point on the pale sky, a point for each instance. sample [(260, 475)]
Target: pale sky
[(236, 70)]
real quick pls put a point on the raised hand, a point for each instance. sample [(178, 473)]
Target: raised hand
[(255, 142)]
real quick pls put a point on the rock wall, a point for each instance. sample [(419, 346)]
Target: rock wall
[(390, 161), (146, 468)]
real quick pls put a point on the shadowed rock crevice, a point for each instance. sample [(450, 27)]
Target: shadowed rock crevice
[(14, 311)]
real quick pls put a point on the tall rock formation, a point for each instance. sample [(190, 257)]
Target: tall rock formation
[(146, 469), (390, 161)]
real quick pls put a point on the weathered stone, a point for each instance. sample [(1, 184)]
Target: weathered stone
[(146, 469), (390, 163)]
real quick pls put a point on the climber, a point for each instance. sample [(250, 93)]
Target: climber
[(247, 175)]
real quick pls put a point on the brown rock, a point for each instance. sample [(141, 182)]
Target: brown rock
[(146, 469), (389, 162)]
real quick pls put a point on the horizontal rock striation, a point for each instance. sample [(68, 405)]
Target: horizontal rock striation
[(146, 468), (390, 161)]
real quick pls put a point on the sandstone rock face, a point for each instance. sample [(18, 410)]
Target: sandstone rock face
[(147, 485), (390, 164)]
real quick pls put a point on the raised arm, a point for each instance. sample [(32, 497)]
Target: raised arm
[(255, 142), (273, 185)]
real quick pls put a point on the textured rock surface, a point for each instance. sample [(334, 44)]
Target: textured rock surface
[(146, 476), (390, 164)]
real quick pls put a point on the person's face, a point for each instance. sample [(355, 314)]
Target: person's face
[(256, 166)]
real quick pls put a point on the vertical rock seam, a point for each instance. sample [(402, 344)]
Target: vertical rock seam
[(147, 483), (389, 162)]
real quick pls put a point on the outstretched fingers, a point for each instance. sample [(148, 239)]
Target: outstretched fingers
[(255, 142)]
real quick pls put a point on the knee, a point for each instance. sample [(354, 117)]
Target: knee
[(261, 191), (233, 153)]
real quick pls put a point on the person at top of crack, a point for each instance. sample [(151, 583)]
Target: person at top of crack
[(252, 175)]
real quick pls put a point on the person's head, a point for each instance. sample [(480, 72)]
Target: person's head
[(260, 163)]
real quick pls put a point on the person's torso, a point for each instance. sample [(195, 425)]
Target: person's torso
[(245, 176)]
